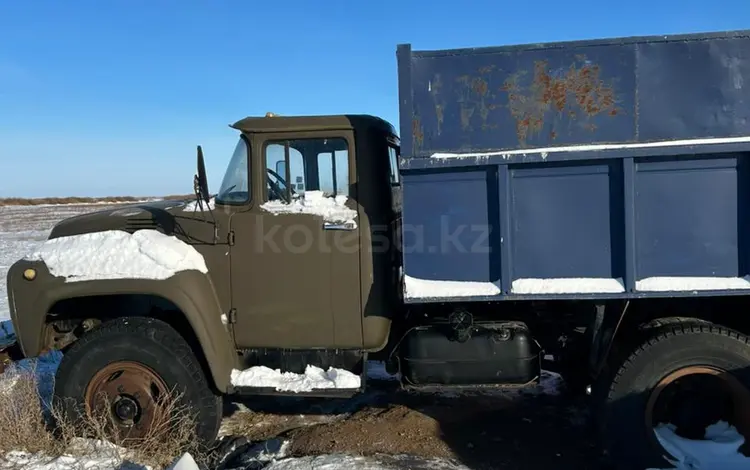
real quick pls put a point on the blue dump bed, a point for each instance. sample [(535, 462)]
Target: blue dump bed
[(611, 168)]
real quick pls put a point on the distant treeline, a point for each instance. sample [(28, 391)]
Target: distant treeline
[(19, 201)]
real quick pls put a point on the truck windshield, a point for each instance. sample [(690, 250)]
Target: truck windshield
[(235, 187)]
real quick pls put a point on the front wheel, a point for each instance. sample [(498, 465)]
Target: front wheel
[(688, 375), (125, 370)]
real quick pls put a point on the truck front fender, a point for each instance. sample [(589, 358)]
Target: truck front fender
[(192, 292)]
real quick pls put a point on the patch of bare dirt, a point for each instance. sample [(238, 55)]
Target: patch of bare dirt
[(393, 430), (481, 431), (257, 426)]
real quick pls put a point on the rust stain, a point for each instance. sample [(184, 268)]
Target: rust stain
[(435, 89), (487, 69), (579, 90), (466, 114), (417, 132), (476, 98), (479, 86)]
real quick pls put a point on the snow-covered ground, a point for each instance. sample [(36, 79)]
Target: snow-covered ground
[(23, 231)]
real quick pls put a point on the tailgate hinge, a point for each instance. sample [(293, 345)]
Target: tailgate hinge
[(230, 238)]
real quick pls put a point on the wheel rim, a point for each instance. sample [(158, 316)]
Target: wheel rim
[(128, 395), (694, 397)]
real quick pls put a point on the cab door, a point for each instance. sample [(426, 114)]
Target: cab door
[(295, 259)]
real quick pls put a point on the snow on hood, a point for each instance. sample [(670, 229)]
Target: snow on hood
[(115, 254), (114, 218), (332, 210)]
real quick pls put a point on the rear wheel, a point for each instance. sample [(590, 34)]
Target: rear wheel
[(689, 375), (126, 370)]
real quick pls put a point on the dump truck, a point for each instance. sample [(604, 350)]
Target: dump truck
[(577, 206)]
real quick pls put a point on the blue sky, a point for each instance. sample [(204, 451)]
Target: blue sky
[(111, 97)]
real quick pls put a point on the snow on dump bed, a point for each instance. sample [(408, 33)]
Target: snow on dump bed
[(313, 378), (568, 286), (423, 288), (685, 283), (115, 254), (315, 203)]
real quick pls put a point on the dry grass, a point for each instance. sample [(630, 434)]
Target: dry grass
[(22, 418), (19, 201), (43, 433), (171, 435)]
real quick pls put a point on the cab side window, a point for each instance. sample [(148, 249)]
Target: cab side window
[(333, 170), (296, 166)]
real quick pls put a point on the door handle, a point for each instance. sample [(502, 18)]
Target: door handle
[(339, 226)]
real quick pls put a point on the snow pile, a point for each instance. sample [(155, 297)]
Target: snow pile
[(313, 378), (89, 454), (8, 384), (568, 286), (679, 284), (115, 254), (350, 462), (44, 368), (13, 246), (18, 459), (239, 453), (7, 333), (550, 384), (719, 450), (104, 456), (422, 288), (194, 206), (186, 462), (332, 210)]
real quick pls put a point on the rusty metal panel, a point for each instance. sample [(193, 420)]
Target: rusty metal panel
[(574, 93), (509, 100)]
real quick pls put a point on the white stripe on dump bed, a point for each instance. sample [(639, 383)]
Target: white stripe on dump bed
[(596, 148)]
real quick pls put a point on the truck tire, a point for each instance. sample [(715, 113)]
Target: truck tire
[(629, 402), (134, 361)]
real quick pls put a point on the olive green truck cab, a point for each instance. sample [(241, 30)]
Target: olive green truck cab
[(147, 296), (458, 255)]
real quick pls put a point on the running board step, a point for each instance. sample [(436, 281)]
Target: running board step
[(267, 382), (318, 393), (434, 388)]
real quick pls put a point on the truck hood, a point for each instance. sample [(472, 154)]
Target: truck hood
[(130, 217)]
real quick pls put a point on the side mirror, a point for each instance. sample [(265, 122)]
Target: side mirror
[(201, 182)]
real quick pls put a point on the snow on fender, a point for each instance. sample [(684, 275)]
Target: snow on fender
[(116, 254)]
